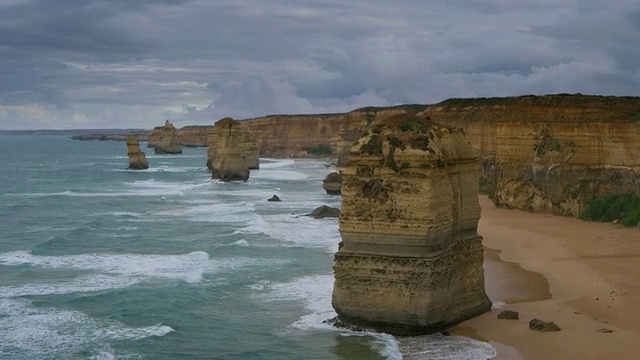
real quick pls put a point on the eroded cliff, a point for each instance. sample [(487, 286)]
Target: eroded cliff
[(194, 135), (232, 151), (410, 260), (137, 158), (551, 153), (164, 139), (233, 133), (296, 135)]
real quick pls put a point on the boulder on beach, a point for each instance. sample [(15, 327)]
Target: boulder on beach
[(543, 326)]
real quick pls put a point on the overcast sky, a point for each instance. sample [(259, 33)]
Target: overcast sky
[(135, 63)]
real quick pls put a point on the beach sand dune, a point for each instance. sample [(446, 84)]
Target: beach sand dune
[(584, 276)]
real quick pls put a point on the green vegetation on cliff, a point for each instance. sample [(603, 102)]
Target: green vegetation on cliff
[(320, 150), (624, 207)]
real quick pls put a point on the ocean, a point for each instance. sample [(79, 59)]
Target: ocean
[(101, 262)]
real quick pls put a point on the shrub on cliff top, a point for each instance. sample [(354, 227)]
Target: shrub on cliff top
[(412, 124), (624, 207)]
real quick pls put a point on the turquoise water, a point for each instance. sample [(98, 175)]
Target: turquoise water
[(99, 262)]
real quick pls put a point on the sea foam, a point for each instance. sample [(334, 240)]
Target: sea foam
[(48, 333), (188, 267)]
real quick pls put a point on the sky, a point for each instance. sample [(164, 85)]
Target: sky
[(133, 64)]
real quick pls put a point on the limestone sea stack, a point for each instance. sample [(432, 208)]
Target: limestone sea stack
[(137, 158), (243, 142), (165, 140), (230, 145), (332, 183), (410, 261)]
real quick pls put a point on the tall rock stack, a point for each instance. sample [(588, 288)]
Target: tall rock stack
[(411, 259), (137, 158), (233, 150), (165, 139), (243, 142)]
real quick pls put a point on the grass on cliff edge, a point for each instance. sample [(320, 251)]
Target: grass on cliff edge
[(624, 207)]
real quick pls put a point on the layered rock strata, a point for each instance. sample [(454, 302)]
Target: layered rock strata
[(233, 151), (410, 260), (194, 135), (296, 135), (553, 153), (137, 158), (245, 144), (164, 139)]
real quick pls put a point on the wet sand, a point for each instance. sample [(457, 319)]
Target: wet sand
[(583, 276)]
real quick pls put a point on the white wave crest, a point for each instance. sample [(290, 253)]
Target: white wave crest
[(188, 267), (38, 333)]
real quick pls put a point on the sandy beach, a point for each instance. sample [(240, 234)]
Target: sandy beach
[(584, 276)]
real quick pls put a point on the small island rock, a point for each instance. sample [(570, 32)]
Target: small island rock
[(137, 158), (325, 212), (229, 162), (165, 140), (274, 198), (332, 183)]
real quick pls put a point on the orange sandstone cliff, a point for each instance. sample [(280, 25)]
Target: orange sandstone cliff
[(410, 260), (137, 158), (194, 135), (233, 152), (552, 153), (296, 135), (164, 139)]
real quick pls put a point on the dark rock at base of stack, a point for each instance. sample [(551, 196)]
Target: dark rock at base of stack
[(332, 183)]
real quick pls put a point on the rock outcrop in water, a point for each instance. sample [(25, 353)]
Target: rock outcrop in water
[(410, 260), (243, 142), (164, 139), (233, 151), (137, 158), (332, 183)]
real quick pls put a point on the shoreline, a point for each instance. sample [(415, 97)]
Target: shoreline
[(581, 275)]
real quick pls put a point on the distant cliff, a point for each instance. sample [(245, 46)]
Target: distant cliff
[(552, 153), (112, 135), (296, 135), (194, 135)]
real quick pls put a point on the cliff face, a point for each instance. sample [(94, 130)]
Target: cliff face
[(164, 139), (551, 153), (296, 135), (410, 260), (137, 158), (194, 135), (242, 142), (233, 151)]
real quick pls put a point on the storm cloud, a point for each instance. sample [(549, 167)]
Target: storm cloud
[(120, 63)]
